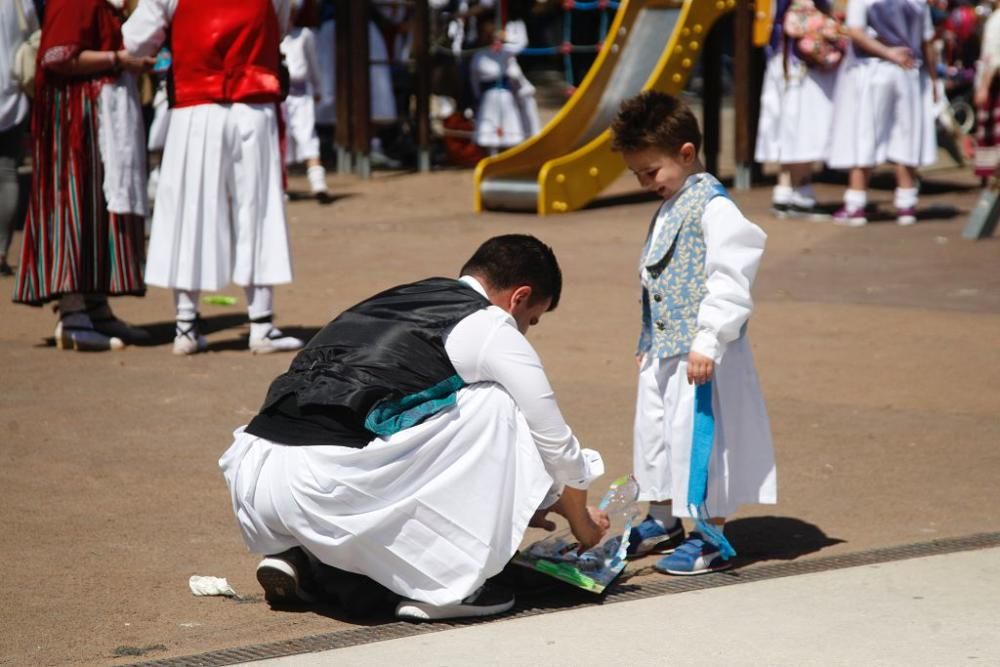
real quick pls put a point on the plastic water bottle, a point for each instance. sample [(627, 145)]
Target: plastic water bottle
[(620, 502)]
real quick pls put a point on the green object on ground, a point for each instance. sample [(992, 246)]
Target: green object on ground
[(219, 300)]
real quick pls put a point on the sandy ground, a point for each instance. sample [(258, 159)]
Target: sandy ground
[(878, 349)]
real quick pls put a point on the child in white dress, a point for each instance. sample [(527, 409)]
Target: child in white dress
[(299, 50), (796, 114), (702, 435), (884, 103), (507, 112)]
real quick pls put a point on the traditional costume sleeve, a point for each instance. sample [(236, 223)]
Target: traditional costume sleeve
[(70, 26), (857, 14), (312, 61), (146, 29), (734, 246), (483, 349)]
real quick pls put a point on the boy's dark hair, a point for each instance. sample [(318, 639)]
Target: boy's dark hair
[(654, 120), (512, 260)]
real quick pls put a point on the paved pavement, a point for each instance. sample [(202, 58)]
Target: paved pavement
[(936, 610)]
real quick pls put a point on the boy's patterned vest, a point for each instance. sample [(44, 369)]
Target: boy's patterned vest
[(674, 285)]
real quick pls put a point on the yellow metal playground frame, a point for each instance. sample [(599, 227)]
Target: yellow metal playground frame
[(568, 181)]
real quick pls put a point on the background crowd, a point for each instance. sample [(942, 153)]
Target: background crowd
[(89, 116)]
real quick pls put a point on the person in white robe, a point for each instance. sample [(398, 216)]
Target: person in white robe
[(219, 215), (696, 270), (507, 112), (299, 49), (885, 103), (435, 509), (793, 129)]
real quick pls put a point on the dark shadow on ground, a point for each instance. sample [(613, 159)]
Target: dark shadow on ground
[(886, 180), (321, 200), (764, 538)]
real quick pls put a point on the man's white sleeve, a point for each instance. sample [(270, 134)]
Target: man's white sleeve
[(485, 350), (734, 247), (146, 28)]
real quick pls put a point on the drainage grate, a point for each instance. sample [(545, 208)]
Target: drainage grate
[(618, 593)]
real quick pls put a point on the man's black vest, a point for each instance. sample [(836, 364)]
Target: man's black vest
[(378, 368)]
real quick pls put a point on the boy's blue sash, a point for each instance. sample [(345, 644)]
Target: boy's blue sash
[(702, 439)]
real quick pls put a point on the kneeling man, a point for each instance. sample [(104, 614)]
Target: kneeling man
[(414, 439)]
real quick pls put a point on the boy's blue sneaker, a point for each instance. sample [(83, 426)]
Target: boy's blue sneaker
[(695, 556), (650, 537)]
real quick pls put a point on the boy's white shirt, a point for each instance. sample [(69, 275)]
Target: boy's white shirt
[(299, 49), (733, 250)]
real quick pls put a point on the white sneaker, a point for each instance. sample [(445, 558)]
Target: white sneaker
[(488, 600), (274, 341), (189, 339), (317, 180)]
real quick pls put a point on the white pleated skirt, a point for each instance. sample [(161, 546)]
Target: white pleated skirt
[(499, 123), (742, 469), (796, 113), (883, 114), (300, 121), (430, 513), (220, 215)]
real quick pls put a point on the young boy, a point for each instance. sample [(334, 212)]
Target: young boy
[(695, 365)]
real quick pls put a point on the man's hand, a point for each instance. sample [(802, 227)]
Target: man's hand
[(588, 524), (136, 64), (590, 529), (700, 368), (540, 520)]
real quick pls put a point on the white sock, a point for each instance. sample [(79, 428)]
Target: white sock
[(317, 178), (664, 513), (905, 198), (260, 307), (855, 200), (782, 194), (186, 303)]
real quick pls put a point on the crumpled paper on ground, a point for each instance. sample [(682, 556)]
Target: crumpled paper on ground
[(211, 586)]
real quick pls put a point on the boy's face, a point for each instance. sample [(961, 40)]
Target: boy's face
[(661, 172)]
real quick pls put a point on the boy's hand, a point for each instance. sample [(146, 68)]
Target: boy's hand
[(700, 368)]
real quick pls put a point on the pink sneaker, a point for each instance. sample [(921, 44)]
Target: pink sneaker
[(906, 216), (850, 217)]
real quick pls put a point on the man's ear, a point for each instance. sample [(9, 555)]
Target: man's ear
[(521, 296)]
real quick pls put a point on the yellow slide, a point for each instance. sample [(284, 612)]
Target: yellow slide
[(651, 45)]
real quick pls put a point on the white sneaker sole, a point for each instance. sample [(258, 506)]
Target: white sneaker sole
[(280, 582), (700, 568), (414, 610)]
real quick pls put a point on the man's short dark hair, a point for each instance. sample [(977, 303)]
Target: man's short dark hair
[(654, 120), (513, 260)]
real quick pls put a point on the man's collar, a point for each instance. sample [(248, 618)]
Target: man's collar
[(474, 284)]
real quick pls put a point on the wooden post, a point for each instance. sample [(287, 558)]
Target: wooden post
[(343, 138), (743, 92), (711, 96), (358, 60), (422, 73)]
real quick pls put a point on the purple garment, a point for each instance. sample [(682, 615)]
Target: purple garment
[(899, 23)]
